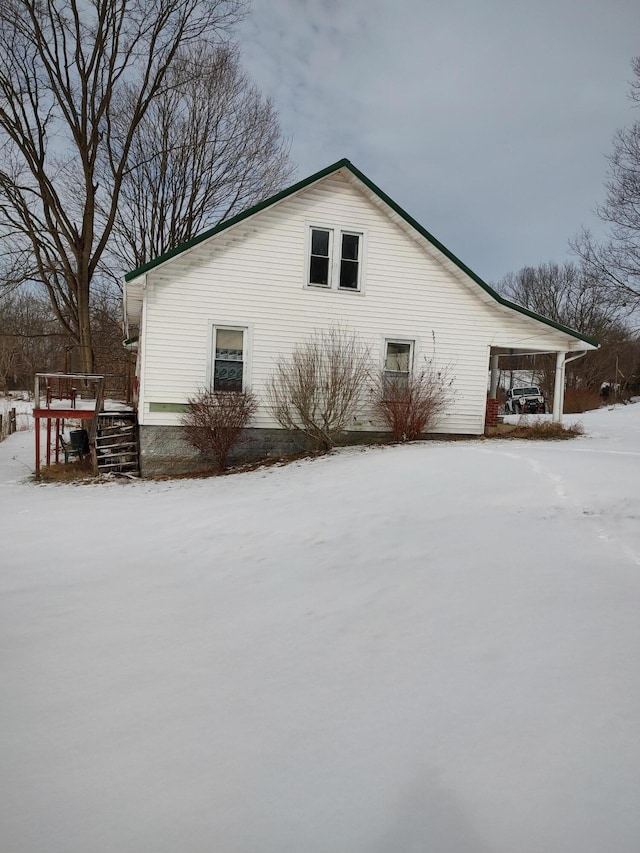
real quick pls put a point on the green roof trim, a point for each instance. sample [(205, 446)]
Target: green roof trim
[(228, 223), (317, 176)]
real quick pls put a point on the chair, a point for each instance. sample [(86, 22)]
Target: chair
[(69, 450)]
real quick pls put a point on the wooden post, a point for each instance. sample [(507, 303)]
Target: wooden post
[(37, 446), (13, 424), (48, 442), (93, 426)]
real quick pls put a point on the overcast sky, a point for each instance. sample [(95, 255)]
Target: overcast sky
[(486, 120)]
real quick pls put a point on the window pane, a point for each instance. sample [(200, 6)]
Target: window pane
[(350, 245), (320, 243), (395, 384), (227, 373), (229, 339), (319, 271), (349, 274), (398, 357), (349, 261)]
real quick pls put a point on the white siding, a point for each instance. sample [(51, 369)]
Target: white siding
[(253, 275)]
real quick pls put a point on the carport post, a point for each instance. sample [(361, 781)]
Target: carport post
[(558, 389), (495, 373)]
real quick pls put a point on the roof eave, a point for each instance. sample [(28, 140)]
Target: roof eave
[(461, 265), (323, 173), (228, 223)]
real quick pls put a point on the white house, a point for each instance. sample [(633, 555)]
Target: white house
[(225, 307)]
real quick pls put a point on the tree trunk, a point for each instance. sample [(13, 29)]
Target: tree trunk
[(76, 82), (85, 344), (86, 353)]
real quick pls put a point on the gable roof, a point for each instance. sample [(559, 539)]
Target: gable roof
[(323, 173)]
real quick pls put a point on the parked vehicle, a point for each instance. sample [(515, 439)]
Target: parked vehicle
[(525, 400)]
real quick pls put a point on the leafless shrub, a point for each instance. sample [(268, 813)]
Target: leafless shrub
[(581, 400), (409, 406), (319, 391), (542, 430), (215, 421), (61, 472)]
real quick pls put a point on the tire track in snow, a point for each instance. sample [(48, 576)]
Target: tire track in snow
[(559, 483)]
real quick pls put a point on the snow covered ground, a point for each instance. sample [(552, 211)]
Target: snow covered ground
[(423, 648)]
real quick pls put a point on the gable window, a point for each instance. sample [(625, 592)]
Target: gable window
[(319, 266), (229, 357), (350, 262), (398, 361), (335, 259)]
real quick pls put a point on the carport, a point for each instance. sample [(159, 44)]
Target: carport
[(578, 349)]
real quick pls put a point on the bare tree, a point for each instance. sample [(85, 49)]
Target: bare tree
[(616, 262), (209, 146), (77, 78), (216, 420), (565, 293), (111, 357), (319, 391), (8, 361), (30, 339), (571, 294)]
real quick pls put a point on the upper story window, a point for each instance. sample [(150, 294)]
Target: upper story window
[(350, 262), (335, 259), (319, 265)]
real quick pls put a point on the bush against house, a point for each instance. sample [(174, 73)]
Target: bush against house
[(320, 390), (410, 405), (216, 420)]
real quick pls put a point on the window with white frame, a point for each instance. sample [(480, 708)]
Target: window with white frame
[(229, 348), (320, 260), (398, 361), (335, 259)]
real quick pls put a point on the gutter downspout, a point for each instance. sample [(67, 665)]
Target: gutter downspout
[(558, 389)]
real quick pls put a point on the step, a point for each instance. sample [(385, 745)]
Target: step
[(111, 427), (129, 466), (114, 457), (115, 444)]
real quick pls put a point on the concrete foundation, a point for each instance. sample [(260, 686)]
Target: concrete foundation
[(165, 451)]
